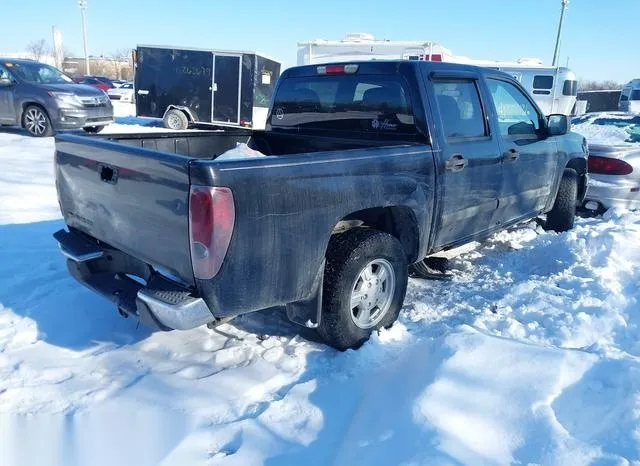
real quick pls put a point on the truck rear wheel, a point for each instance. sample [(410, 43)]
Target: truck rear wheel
[(562, 216), (365, 282), (175, 119)]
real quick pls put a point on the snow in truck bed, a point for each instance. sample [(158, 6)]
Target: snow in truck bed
[(529, 356)]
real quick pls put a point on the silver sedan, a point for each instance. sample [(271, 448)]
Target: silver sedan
[(614, 160)]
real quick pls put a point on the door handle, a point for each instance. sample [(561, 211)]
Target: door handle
[(511, 154), (456, 163)]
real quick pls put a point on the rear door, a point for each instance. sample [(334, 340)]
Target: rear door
[(470, 160), (227, 76), (530, 162)]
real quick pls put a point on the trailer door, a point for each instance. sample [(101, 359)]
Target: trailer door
[(227, 75)]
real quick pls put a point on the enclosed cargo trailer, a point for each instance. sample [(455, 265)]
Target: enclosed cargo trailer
[(195, 86)]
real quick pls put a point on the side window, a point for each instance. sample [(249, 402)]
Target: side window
[(516, 114), (4, 74), (542, 82), (460, 109), (570, 87)]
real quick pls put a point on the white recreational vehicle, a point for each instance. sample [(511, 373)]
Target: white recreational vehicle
[(553, 88)]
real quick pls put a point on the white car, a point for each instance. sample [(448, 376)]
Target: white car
[(124, 92), (614, 159)]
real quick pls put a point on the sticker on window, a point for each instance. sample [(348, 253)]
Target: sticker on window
[(383, 124)]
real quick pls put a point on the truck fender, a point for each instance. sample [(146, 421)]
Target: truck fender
[(578, 162), (186, 110), (309, 312)]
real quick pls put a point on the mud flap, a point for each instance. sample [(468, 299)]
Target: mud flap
[(309, 312)]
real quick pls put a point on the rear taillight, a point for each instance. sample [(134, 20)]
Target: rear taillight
[(608, 166), (337, 69), (436, 57), (211, 220)]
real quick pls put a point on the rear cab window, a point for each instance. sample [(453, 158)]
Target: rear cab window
[(358, 105)]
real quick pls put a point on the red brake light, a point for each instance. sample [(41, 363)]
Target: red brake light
[(608, 166), (211, 221), (436, 57), (337, 69)]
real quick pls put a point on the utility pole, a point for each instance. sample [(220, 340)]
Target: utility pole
[(565, 4), (83, 6)]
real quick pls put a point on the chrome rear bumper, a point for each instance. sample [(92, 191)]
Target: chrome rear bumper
[(157, 301)]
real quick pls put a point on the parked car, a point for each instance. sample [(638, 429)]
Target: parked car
[(368, 167), (42, 99), (95, 82), (614, 160), (124, 92), (630, 97)]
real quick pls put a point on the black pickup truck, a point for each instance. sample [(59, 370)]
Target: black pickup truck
[(369, 168)]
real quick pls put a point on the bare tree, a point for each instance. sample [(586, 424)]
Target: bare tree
[(122, 54), (600, 86), (38, 48)]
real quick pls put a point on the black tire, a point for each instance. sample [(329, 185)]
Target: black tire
[(563, 214), (93, 129), (37, 122), (176, 120), (347, 256)]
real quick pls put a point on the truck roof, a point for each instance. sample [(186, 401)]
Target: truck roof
[(390, 66)]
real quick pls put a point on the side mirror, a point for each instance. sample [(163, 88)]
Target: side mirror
[(557, 125), (6, 82)]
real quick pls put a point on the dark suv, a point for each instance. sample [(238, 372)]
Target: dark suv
[(42, 100)]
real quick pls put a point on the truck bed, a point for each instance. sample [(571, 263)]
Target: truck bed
[(210, 144)]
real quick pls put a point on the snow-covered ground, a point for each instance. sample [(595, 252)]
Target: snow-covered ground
[(529, 356), (611, 128)]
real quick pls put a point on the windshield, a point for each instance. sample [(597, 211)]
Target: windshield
[(38, 73), (371, 105)]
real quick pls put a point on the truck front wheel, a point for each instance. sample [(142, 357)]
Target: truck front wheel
[(562, 216), (365, 282)]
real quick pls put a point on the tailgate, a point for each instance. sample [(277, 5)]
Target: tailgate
[(133, 199)]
